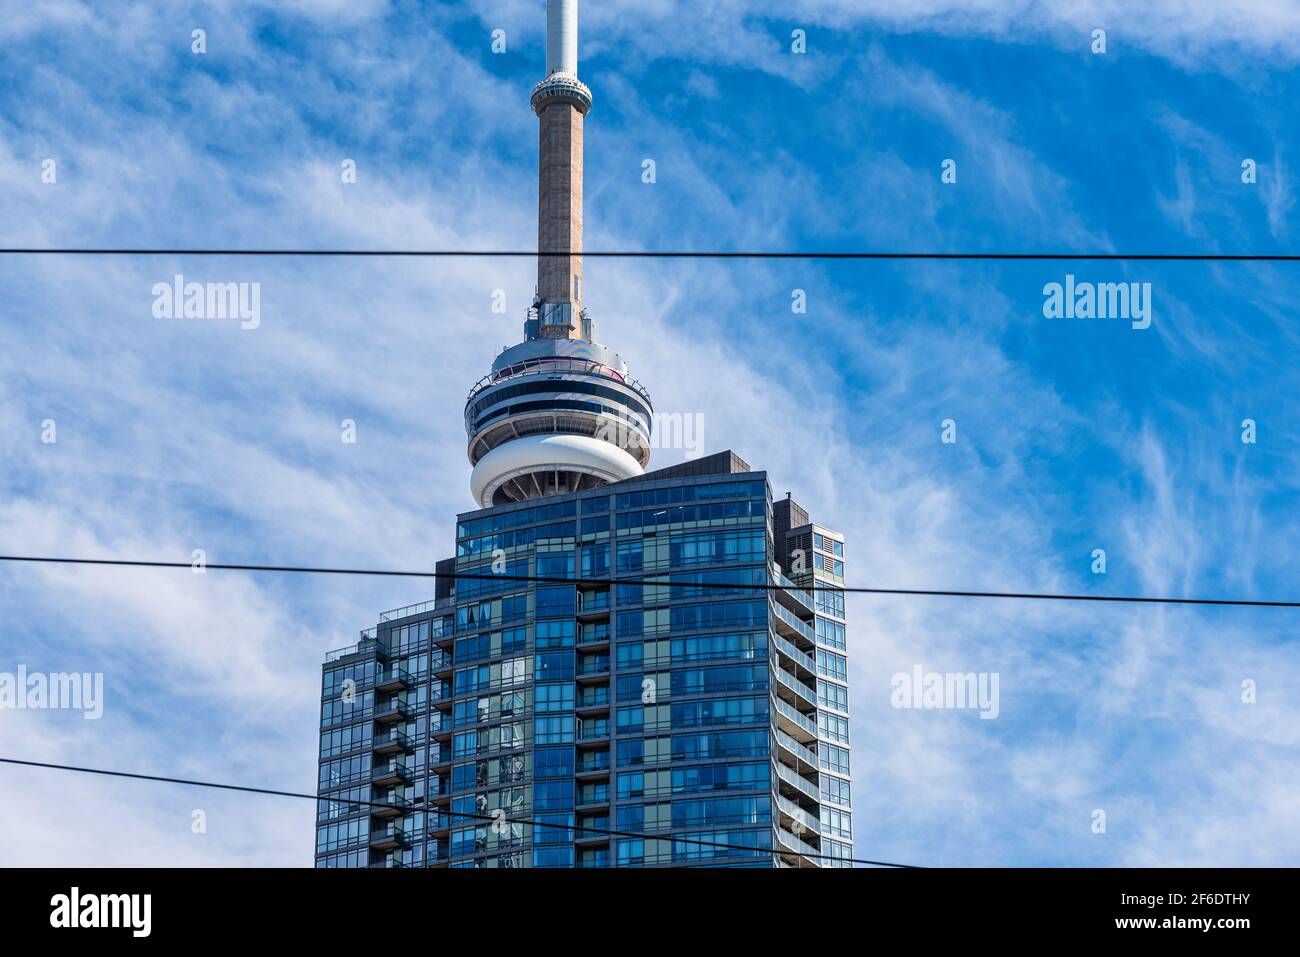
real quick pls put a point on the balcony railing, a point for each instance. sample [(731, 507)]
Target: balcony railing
[(798, 687), (801, 627), (422, 607), (544, 365), (797, 845), (391, 772), (390, 804), (389, 837), (593, 761), (394, 710), (794, 590), (366, 645), (592, 601), (794, 654), (801, 751), (392, 741), (796, 781), (795, 812), (799, 722), (599, 858), (598, 697), (598, 665), (393, 678)]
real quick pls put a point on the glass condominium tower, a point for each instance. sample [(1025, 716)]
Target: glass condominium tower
[(618, 668)]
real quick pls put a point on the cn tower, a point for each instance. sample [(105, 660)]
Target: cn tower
[(518, 694), (558, 412)]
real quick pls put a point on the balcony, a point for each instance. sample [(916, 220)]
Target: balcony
[(392, 859), (391, 774), (807, 855), (436, 853), (593, 603), (592, 764), (390, 678), (417, 609), (790, 594), (390, 837), (593, 634), (393, 741), (599, 823), (390, 804), (440, 663), (593, 729), (594, 699), (593, 666), (368, 646), (440, 696), (553, 365), (800, 784), (797, 658), (437, 795), (792, 689), (801, 757), (799, 726), (393, 711), (795, 818), (795, 628), (592, 795)]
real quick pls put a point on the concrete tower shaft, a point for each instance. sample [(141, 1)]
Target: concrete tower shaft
[(559, 221), (561, 102)]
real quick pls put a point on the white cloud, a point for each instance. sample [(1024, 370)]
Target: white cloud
[(1227, 36)]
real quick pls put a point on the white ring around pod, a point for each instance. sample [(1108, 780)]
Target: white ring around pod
[(538, 453)]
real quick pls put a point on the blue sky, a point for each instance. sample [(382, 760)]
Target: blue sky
[(1072, 434)]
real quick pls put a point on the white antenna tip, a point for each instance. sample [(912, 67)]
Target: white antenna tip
[(562, 37)]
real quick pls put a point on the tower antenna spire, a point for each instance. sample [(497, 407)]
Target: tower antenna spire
[(562, 37)]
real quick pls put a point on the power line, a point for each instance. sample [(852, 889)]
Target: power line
[(718, 585), (653, 254), (496, 819)]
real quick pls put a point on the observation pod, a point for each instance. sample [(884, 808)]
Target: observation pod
[(554, 416)]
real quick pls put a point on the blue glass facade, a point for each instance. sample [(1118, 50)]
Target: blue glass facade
[(512, 723)]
